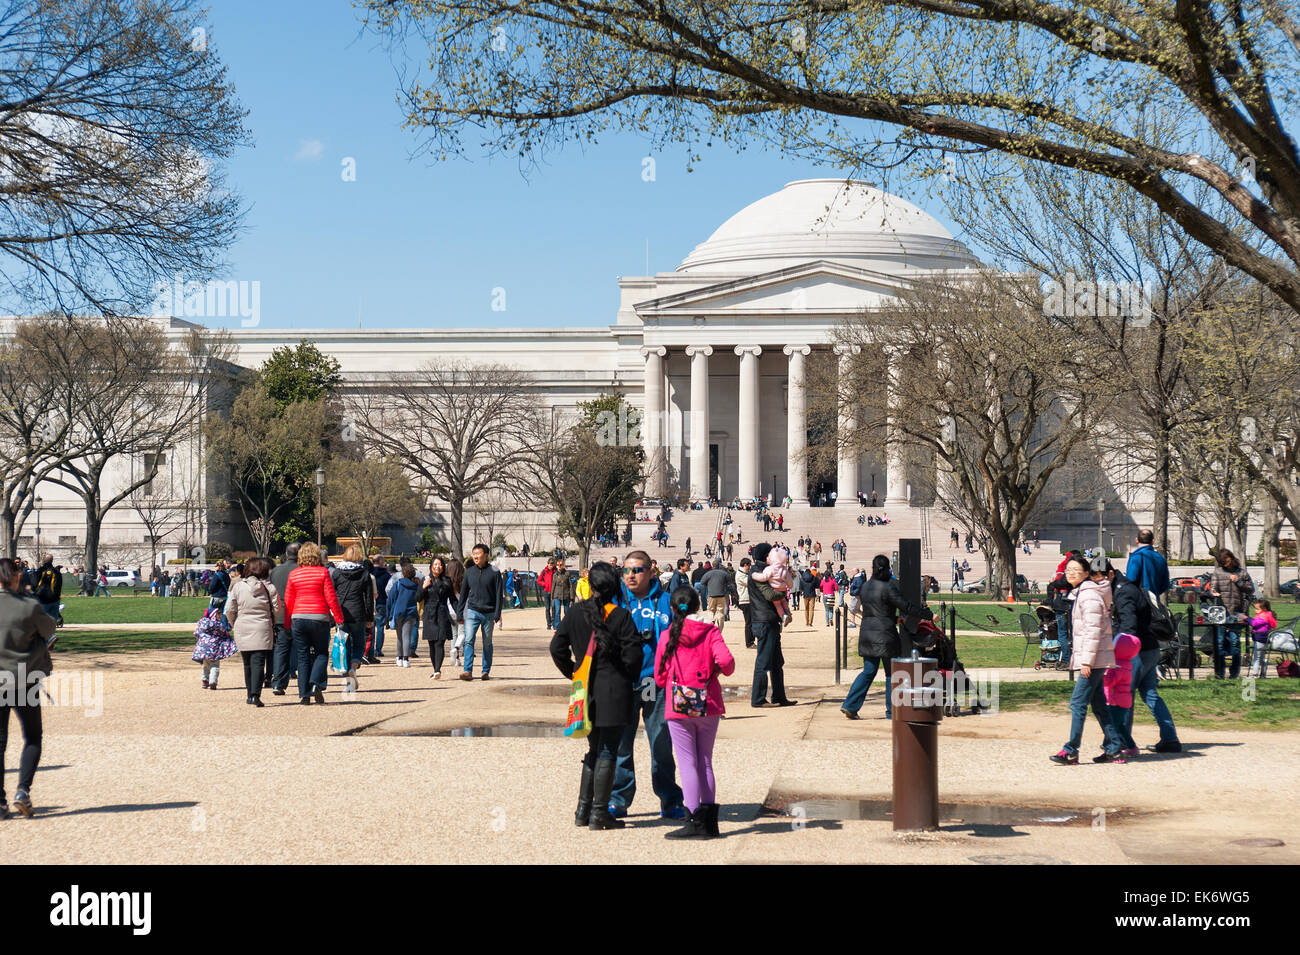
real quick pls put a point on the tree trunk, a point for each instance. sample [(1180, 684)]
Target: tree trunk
[(1160, 514), (10, 533), (93, 521), (1002, 568), (584, 552), (1184, 535), (1272, 527), (457, 527)]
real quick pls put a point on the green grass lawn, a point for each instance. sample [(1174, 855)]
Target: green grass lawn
[(119, 641), (1207, 704), (121, 608)]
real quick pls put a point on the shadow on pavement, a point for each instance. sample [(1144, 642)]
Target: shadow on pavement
[(53, 811)]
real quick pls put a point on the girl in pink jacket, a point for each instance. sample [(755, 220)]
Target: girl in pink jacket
[(688, 660)]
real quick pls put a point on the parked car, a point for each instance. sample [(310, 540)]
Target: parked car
[(1185, 589), (980, 585), (1291, 588), (123, 578)]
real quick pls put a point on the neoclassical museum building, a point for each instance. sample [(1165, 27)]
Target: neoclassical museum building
[(713, 351)]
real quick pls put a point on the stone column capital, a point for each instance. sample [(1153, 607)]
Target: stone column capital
[(793, 350), (743, 350), (648, 350), (843, 350), (693, 350)]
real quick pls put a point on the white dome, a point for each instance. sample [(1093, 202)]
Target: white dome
[(843, 220)]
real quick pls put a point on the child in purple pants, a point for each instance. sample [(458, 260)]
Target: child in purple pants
[(689, 658)]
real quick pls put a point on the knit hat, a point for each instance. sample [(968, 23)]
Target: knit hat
[(760, 552)]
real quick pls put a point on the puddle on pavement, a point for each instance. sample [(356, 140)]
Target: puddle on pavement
[(524, 730), (950, 813), (549, 691), (501, 731)]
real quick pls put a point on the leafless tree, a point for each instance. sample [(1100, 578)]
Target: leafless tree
[(457, 429), (114, 121), (1001, 397), (132, 395)]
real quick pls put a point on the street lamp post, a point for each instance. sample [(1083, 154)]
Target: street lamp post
[(320, 483), (1101, 510), (39, 555)]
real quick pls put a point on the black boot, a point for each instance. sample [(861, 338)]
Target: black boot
[(694, 827), (710, 810), (602, 787), (583, 814)]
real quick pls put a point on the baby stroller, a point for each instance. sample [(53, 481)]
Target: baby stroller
[(932, 641), (1049, 642)]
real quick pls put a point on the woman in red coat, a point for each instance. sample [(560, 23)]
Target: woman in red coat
[(309, 604)]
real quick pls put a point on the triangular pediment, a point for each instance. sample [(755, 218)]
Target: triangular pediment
[(818, 287)]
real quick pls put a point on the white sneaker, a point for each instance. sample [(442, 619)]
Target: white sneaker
[(398, 661), (406, 663)]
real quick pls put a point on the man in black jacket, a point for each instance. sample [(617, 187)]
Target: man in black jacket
[(480, 607), (382, 576), (283, 639), (1131, 608), (48, 585), (355, 589), (766, 624), (878, 640)]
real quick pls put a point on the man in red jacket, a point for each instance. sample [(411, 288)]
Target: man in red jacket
[(544, 581)]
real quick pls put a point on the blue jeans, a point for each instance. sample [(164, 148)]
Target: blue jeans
[(862, 683), (474, 620), (311, 645), (1227, 642), (1145, 678), (1090, 691), (356, 642), (283, 658), (829, 604), (381, 615), (663, 768), (52, 609), (1063, 634), (559, 610)]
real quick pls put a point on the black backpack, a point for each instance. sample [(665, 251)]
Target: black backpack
[(45, 586), (1162, 620)]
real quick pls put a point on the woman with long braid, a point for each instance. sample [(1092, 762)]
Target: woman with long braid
[(687, 665)]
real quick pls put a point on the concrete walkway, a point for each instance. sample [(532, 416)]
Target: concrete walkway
[(168, 772)]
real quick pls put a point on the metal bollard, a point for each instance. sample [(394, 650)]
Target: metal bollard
[(835, 635), (917, 694)]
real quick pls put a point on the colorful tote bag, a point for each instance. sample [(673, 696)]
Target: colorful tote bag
[(578, 723), (339, 650)]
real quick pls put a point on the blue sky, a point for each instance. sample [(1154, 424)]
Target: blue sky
[(417, 243)]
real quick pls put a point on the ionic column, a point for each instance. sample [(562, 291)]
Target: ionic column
[(747, 439), (895, 468), (699, 356), (846, 479), (652, 430), (796, 440)]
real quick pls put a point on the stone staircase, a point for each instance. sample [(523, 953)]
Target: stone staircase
[(826, 524)]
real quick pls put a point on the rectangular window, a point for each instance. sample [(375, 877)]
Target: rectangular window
[(67, 540), (25, 541), (149, 462)]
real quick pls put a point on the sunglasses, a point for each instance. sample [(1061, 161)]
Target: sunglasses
[(634, 570)]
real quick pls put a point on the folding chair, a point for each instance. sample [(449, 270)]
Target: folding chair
[(1029, 628)]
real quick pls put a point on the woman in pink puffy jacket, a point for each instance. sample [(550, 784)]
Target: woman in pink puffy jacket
[(689, 658)]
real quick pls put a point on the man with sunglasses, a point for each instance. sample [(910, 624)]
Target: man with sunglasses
[(648, 603)]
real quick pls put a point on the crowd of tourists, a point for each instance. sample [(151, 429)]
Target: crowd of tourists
[(654, 636)]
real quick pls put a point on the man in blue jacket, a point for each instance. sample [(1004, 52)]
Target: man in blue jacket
[(1147, 567), (651, 611)]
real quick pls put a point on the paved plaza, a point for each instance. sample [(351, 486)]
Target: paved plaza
[(170, 773)]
